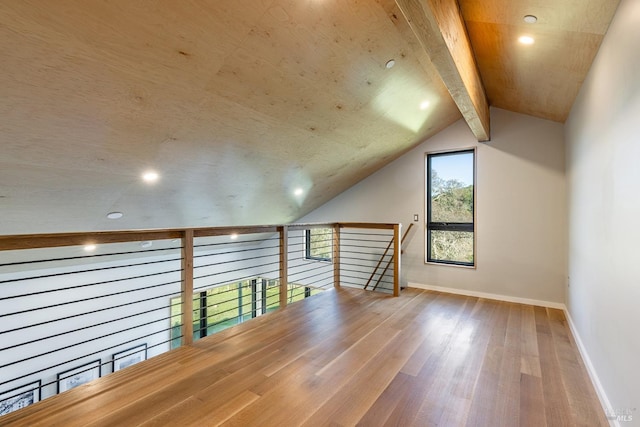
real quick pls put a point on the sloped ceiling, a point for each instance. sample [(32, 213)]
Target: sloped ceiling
[(237, 103)]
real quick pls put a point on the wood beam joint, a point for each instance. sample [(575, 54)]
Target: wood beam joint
[(440, 29)]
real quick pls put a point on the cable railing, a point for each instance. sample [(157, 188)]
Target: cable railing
[(75, 307)]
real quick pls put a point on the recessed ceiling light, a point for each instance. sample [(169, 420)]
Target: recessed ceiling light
[(90, 248), (234, 236), (424, 105), (298, 191), (526, 39), (115, 215), (146, 244), (150, 176), (530, 19), (390, 63)]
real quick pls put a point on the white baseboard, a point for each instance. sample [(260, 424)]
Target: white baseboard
[(595, 380), (487, 295)]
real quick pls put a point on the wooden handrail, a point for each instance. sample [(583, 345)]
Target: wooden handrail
[(55, 240)]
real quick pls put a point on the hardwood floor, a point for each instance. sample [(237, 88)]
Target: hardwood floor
[(348, 357)]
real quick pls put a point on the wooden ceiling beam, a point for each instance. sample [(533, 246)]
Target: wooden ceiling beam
[(439, 27)]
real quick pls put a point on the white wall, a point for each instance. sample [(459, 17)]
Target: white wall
[(603, 165), (521, 208)]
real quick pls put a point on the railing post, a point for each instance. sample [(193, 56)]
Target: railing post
[(397, 252), (254, 298), (284, 267), (187, 287), (336, 256)]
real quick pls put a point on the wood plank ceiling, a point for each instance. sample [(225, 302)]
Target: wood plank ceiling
[(238, 103)]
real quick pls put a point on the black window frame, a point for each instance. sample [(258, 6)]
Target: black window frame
[(307, 246), (449, 226)]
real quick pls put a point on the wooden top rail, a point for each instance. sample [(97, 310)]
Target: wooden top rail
[(53, 240), (377, 226)]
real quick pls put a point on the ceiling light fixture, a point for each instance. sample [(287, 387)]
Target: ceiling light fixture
[(234, 236), (298, 192), (90, 248), (390, 63), (530, 19), (424, 105), (115, 215), (150, 176), (526, 39)]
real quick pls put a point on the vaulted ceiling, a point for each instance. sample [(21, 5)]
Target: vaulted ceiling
[(238, 103)]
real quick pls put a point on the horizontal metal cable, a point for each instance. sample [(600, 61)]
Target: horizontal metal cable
[(353, 277), (45, 276), (289, 244), (313, 276), (87, 313), (359, 285), (90, 354), (367, 265), (233, 271), (378, 247), (104, 282), (360, 279), (239, 279), (235, 260), (222, 302), (375, 257), (324, 262), (206, 245), (88, 299), (322, 266), (102, 364), (86, 327), (22, 390), (316, 283), (328, 245), (36, 261), (237, 251), (367, 272), (82, 342)]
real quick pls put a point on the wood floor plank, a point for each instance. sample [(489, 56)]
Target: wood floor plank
[(556, 403), (396, 391), (484, 402), (348, 357), (351, 401), (576, 384), (531, 400), (436, 391)]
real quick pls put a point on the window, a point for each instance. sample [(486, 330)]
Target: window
[(221, 307), (450, 208), (319, 244)]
